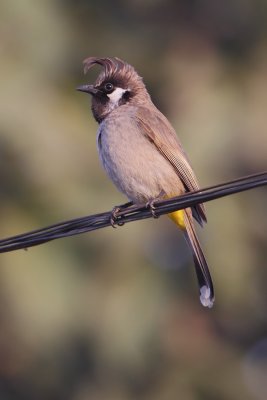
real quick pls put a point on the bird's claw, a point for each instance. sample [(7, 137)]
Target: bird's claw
[(114, 217), (114, 214), (151, 206)]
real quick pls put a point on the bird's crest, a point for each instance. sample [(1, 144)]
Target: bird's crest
[(114, 69)]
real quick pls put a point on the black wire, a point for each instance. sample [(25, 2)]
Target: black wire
[(97, 221)]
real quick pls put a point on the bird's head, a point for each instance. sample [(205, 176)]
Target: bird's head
[(117, 84)]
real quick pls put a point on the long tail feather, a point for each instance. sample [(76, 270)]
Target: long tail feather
[(183, 219), (201, 266)]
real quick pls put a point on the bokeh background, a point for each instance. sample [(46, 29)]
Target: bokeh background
[(115, 314)]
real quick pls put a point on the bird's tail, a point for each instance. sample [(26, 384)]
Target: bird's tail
[(183, 219)]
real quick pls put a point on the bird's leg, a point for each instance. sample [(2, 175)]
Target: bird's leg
[(115, 211), (151, 206)]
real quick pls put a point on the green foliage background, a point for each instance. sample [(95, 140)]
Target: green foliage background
[(115, 314)]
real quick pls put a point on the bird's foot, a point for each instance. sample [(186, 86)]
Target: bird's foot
[(114, 214), (151, 205)]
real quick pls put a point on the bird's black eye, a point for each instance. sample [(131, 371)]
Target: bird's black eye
[(108, 87)]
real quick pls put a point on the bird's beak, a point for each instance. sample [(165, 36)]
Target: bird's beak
[(88, 89)]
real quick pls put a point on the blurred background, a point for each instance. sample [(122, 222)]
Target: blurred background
[(115, 314)]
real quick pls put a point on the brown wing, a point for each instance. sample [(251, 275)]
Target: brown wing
[(160, 132)]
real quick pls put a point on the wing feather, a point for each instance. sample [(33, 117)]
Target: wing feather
[(160, 132)]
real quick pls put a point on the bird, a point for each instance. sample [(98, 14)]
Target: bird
[(141, 153)]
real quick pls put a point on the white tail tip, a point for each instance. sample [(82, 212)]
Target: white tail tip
[(205, 297)]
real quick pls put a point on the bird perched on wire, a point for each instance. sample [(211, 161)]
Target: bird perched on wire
[(141, 153)]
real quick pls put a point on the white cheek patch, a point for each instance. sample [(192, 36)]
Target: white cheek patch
[(116, 95)]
